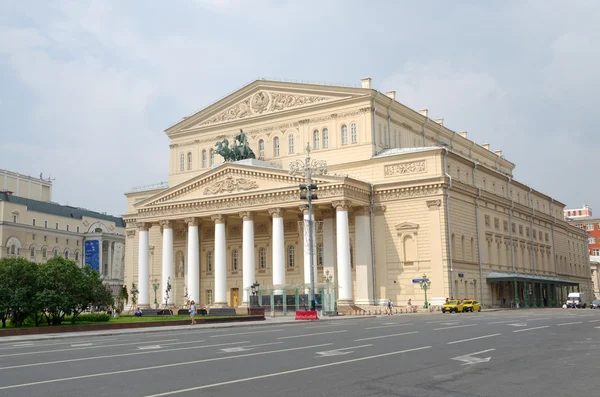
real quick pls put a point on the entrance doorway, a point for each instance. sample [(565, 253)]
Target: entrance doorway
[(235, 297)]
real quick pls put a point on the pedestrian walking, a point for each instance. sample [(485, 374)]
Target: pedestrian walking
[(409, 306), (193, 312)]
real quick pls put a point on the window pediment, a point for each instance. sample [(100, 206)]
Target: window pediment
[(407, 228)]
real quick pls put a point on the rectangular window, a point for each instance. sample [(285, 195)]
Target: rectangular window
[(33, 222), (596, 252), (14, 218), (45, 223), (77, 243), (56, 225), (209, 297), (68, 227), (33, 236), (589, 226), (67, 241), (77, 229), (591, 240), (57, 240), (45, 238)]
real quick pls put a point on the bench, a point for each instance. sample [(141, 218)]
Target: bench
[(222, 311), (186, 312)]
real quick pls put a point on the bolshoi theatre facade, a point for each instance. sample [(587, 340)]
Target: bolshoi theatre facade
[(403, 197)]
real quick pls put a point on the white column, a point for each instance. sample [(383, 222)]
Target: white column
[(247, 254), (109, 261), (343, 253), (193, 254), (167, 261), (364, 257), (278, 248), (220, 261), (328, 245), (143, 265)]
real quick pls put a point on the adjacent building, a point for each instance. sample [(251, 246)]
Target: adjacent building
[(404, 197), (578, 213), (34, 227)]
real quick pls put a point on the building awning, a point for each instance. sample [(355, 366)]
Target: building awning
[(506, 276)]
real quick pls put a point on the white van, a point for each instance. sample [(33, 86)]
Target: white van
[(576, 299)]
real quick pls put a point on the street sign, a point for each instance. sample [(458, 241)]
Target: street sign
[(460, 275), (420, 280)]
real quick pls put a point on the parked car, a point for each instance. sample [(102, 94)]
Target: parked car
[(452, 306), (595, 304), (471, 306)]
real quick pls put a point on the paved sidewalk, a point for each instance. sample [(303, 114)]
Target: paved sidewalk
[(130, 331)]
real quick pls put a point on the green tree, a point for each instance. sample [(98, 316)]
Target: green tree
[(123, 297), (18, 286), (67, 290)]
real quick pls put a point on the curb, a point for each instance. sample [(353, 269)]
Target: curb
[(147, 330)]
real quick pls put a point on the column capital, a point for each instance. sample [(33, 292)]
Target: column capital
[(247, 215), (304, 209), (276, 212), (144, 226), (218, 219), (166, 224), (191, 221), (379, 209), (341, 205), (362, 211)]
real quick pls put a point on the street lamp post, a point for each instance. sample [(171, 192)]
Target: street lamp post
[(308, 167), (425, 285), (155, 286)]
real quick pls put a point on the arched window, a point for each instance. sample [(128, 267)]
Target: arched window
[(204, 158), (276, 146), (291, 257), (234, 260), (353, 135), (261, 148), (320, 255), (32, 252), (189, 160), (55, 252), (325, 138), (181, 162), (315, 139), (77, 256), (262, 258), (344, 135), (291, 143), (44, 252), (67, 253), (211, 155), (209, 262)]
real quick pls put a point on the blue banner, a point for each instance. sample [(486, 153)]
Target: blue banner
[(92, 255)]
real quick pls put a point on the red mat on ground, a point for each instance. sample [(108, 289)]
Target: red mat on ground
[(306, 315)]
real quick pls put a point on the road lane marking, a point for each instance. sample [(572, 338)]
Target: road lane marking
[(292, 371), (386, 336), (81, 348), (246, 333), (391, 325), (593, 321), (469, 359), (538, 319), (119, 355), (340, 352), (501, 322), (29, 344), (248, 347), (517, 325), (180, 343), (82, 345), (179, 364), (574, 322), (318, 333), (329, 325), (455, 326), (470, 339), (530, 329), (149, 347)]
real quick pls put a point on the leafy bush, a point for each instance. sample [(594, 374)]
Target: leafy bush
[(92, 318)]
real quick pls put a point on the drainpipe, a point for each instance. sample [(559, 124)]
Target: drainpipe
[(448, 225), (531, 232), (372, 219), (373, 140), (477, 232), (510, 216)]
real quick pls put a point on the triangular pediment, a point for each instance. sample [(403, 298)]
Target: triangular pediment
[(407, 226), (262, 98), (229, 179)]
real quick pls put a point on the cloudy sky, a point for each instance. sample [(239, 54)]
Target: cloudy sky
[(88, 87)]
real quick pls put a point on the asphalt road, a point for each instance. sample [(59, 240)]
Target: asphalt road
[(543, 352)]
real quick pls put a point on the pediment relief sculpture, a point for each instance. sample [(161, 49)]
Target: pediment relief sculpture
[(230, 185), (264, 102)]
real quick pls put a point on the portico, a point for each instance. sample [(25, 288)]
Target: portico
[(227, 250)]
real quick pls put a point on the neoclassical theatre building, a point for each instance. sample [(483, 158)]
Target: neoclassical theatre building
[(404, 197)]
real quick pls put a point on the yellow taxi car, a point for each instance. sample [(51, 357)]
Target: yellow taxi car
[(469, 305), (452, 306)]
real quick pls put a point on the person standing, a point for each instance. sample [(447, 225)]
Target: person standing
[(389, 306), (193, 312)]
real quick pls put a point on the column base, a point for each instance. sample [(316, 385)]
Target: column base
[(348, 307)]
